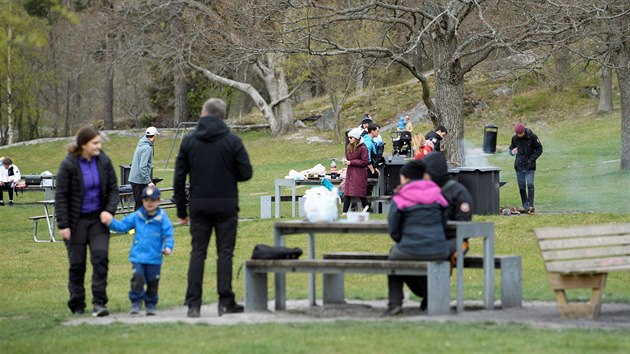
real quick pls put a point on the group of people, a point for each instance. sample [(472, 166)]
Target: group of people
[(86, 198)]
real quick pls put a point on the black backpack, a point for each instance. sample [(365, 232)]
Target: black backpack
[(268, 252)]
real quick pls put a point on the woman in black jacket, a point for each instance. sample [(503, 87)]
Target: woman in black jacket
[(85, 197)]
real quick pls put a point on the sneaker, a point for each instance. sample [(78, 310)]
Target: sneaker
[(231, 308), (100, 311), (10, 203), (2, 203), (151, 311), (194, 311), (135, 309), (393, 311), (531, 210)]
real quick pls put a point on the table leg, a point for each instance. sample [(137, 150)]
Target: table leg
[(280, 278), (51, 230), (311, 277), (277, 200), (293, 201), (460, 269), (488, 268)]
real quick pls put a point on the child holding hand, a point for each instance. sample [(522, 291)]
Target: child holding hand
[(153, 237)]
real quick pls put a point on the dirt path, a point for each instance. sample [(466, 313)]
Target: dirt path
[(537, 314)]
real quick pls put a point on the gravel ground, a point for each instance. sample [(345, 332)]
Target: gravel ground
[(537, 314)]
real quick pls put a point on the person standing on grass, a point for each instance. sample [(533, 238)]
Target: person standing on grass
[(215, 160), (153, 237), (86, 196), (142, 164), (416, 222), (356, 162), (527, 148)]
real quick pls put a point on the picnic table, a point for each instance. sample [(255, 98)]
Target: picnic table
[(464, 230), (50, 220)]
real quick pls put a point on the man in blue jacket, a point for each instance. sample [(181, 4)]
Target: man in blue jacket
[(215, 160), (142, 164)]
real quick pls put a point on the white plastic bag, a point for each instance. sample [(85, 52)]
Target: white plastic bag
[(321, 205)]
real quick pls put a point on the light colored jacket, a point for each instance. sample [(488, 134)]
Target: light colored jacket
[(11, 175), (142, 162)]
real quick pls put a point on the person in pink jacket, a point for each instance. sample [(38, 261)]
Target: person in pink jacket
[(356, 162)]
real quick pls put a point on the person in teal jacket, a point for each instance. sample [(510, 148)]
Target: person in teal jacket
[(153, 237)]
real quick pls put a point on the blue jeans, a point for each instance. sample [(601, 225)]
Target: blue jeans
[(149, 274), (525, 181)]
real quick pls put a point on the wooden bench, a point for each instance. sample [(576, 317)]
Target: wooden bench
[(580, 257), (256, 273), (509, 266)]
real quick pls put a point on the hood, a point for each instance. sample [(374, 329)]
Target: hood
[(419, 192), (145, 141), (210, 128), (436, 167)]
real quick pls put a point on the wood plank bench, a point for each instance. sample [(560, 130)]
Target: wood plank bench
[(580, 257), (509, 266), (256, 273)]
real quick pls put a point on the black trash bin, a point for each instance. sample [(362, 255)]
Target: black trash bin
[(483, 185), (490, 138), (124, 174), (389, 178)]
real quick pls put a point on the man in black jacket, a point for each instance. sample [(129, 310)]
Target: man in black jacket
[(527, 148), (436, 137), (216, 160)]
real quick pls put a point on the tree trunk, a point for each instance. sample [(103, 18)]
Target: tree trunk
[(246, 88), (9, 89), (562, 61), (108, 90), (449, 91), (360, 78), (623, 77), (274, 78), (181, 92), (605, 90)]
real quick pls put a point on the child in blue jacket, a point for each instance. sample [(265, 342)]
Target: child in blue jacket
[(153, 237)]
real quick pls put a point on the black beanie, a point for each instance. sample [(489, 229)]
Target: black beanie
[(414, 169)]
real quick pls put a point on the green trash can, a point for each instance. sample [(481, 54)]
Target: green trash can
[(483, 185)]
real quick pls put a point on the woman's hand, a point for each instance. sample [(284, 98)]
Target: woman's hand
[(65, 233), (106, 217)]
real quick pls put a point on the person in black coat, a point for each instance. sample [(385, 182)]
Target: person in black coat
[(436, 137), (86, 196), (527, 148), (417, 220), (459, 199), (215, 160)]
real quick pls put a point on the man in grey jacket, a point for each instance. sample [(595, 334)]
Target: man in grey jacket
[(140, 175)]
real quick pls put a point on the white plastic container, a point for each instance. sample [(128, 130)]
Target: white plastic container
[(358, 216)]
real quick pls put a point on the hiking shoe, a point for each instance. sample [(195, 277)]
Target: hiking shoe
[(135, 309), (151, 311), (2, 203), (531, 210), (194, 311), (231, 308), (100, 311), (10, 203), (393, 311)]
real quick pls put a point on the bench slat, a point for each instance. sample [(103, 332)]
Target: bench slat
[(38, 217), (600, 265), (586, 253), (545, 233), (584, 242), (347, 264)]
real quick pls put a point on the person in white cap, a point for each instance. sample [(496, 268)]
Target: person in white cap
[(141, 172)]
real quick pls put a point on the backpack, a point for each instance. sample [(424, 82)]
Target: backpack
[(378, 159), (267, 252)]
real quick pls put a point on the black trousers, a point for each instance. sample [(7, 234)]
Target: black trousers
[(6, 186), (201, 225), (395, 283), (137, 192), (89, 232)]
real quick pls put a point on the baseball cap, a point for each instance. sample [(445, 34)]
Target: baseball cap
[(152, 131), (151, 192)]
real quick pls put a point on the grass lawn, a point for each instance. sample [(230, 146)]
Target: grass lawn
[(578, 182)]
